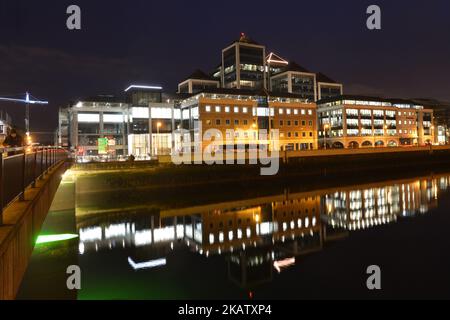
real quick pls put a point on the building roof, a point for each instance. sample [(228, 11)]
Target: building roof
[(200, 75), (293, 66), (248, 92), (243, 38), (275, 59), (366, 98), (246, 39), (320, 77), (102, 98)]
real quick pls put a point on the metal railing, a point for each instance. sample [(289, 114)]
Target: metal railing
[(23, 167)]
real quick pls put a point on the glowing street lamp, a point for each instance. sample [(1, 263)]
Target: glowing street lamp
[(158, 125), (326, 128)]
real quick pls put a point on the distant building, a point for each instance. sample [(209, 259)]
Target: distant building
[(358, 121), (327, 88), (295, 79), (198, 81), (123, 121), (156, 110), (246, 66), (5, 125), (441, 112), (86, 123), (248, 91)]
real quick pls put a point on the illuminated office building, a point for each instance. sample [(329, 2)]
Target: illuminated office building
[(246, 65), (150, 107), (197, 82), (327, 87), (119, 126), (357, 121), (95, 126), (238, 115)]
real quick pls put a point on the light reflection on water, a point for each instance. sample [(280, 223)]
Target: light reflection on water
[(262, 236)]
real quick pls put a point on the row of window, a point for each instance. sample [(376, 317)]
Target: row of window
[(227, 109), (368, 112), (368, 132), (281, 111), (236, 122), (246, 134), (296, 134), (296, 123), (406, 122)]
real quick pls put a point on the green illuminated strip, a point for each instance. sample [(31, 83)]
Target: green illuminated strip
[(55, 238)]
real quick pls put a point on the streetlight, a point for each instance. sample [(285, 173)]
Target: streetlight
[(326, 127), (158, 125)]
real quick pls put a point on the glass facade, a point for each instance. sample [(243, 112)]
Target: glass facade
[(251, 67), (303, 85)]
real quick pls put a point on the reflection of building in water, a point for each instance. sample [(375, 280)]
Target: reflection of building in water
[(258, 236), (367, 207)]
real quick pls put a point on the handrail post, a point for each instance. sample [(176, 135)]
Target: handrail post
[(46, 160), (24, 166), (33, 185), (1, 187), (41, 174)]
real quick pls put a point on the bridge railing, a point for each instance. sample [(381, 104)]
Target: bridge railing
[(23, 167)]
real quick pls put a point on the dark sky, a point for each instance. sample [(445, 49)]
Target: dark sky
[(161, 42)]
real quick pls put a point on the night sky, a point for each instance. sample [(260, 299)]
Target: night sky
[(162, 42)]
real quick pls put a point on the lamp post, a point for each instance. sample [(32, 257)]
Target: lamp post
[(326, 127), (158, 125)]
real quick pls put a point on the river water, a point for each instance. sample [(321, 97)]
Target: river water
[(304, 245)]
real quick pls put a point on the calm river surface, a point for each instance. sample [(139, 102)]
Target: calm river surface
[(286, 246)]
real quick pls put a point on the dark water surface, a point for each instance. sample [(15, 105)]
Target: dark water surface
[(286, 246)]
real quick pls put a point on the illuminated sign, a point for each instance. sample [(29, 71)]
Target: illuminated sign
[(102, 145)]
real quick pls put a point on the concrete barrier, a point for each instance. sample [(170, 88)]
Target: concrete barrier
[(22, 221)]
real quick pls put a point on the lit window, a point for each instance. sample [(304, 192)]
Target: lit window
[(303, 111), (217, 108), (295, 111), (227, 109), (288, 111), (208, 108), (236, 109), (310, 112), (211, 238), (245, 110), (280, 111), (230, 235)]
